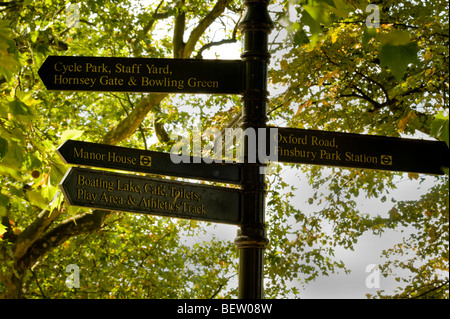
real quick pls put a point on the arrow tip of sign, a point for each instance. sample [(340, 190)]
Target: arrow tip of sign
[(43, 73)]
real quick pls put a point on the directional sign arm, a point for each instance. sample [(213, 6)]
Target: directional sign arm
[(138, 194), (360, 151), (137, 160), (111, 74)]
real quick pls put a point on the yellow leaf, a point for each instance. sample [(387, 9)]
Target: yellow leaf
[(335, 35), (321, 80), (412, 176), (301, 107), (404, 121), (329, 76), (2, 230)]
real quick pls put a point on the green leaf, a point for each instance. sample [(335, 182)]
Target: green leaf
[(14, 157), (34, 35), (4, 201), (318, 14), (8, 63), (32, 162), (70, 135), (341, 8), (369, 34), (308, 19), (56, 174), (300, 38), (395, 38), (398, 57), (3, 148), (18, 108), (6, 34), (36, 198), (440, 128)]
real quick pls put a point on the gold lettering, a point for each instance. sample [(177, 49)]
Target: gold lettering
[(295, 152), (60, 67), (105, 80), (166, 82), (183, 194), (159, 190), (97, 68), (60, 79), (330, 156), (153, 203), (86, 196), (88, 155), (95, 183), (135, 68), (152, 69), (111, 199), (315, 141), (128, 187), (361, 158), (193, 82), (130, 201), (194, 209), (113, 157), (292, 139)]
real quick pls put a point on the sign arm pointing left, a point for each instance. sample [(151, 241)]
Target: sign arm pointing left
[(143, 161)]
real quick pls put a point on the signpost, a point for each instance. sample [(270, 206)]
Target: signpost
[(245, 206), (137, 160), (139, 194), (80, 73), (360, 151), (251, 240)]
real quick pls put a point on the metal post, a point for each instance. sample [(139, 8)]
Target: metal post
[(252, 239)]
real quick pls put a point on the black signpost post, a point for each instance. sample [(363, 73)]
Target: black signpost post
[(252, 238), (244, 206)]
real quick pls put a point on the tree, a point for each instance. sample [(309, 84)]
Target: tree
[(37, 226), (330, 61), (378, 68)]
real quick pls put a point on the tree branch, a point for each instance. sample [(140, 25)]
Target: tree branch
[(217, 43), (155, 16), (34, 231), (203, 25), (178, 32), (444, 283), (364, 96), (385, 92), (80, 224), (131, 123)]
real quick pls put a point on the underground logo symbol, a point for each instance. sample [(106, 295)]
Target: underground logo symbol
[(386, 159), (145, 160)]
